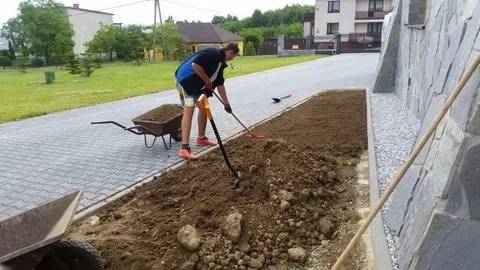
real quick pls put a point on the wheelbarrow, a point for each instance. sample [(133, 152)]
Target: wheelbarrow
[(153, 128), (32, 239)]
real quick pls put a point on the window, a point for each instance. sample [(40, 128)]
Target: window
[(375, 27), (334, 6), (375, 5), (416, 12), (332, 28)]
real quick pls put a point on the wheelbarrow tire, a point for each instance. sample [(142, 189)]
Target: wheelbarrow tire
[(71, 255), (177, 136)]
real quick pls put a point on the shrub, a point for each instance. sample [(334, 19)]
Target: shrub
[(5, 61), (38, 62), (22, 63), (88, 66), (73, 65)]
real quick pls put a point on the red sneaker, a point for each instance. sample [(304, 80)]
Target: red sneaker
[(185, 153), (205, 142)]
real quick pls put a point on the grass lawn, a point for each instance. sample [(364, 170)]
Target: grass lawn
[(26, 95)]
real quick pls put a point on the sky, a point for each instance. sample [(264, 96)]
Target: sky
[(141, 12)]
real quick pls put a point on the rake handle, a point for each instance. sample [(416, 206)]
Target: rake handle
[(433, 126), (234, 116)]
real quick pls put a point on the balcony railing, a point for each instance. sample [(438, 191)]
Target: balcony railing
[(369, 15)]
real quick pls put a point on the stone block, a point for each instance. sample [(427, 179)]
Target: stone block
[(462, 196), (449, 243), (418, 215), (473, 126), (398, 206)]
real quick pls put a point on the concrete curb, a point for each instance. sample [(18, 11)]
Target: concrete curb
[(381, 253)]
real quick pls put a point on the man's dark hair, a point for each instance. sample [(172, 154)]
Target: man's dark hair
[(232, 47)]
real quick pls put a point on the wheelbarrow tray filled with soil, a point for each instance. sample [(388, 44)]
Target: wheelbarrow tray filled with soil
[(158, 122), (165, 119)]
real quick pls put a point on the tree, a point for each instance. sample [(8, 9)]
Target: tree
[(257, 18), (254, 37), (126, 43), (73, 65), (5, 62), (22, 64), (40, 29), (292, 14), (176, 47), (87, 64), (59, 59)]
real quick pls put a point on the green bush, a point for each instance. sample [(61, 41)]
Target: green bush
[(73, 65), (5, 62), (87, 64), (22, 63), (38, 62)]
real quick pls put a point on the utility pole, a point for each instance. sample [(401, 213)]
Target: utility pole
[(164, 41), (154, 30), (154, 39)]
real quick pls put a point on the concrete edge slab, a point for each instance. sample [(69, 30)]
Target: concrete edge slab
[(379, 241)]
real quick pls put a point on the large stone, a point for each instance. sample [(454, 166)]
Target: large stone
[(397, 208), (189, 238), (297, 254), (285, 195), (449, 243), (232, 226), (327, 227)]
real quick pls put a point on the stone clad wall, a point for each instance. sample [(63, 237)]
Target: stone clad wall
[(435, 211)]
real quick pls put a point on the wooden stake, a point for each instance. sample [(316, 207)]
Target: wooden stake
[(456, 91)]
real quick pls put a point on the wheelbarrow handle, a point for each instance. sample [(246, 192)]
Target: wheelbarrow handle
[(135, 129), (108, 122)]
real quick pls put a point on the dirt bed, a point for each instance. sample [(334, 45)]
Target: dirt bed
[(162, 114), (296, 208)]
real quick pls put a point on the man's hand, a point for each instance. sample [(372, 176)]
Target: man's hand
[(208, 92), (228, 108)]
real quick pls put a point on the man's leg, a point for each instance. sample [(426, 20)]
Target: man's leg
[(202, 140), (188, 110), (202, 123), (187, 123)]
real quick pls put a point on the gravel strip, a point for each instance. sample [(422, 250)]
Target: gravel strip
[(395, 130)]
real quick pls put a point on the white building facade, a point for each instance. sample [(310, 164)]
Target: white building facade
[(349, 17), (85, 25)]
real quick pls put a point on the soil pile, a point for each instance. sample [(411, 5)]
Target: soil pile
[(297, 195), (162, 113)]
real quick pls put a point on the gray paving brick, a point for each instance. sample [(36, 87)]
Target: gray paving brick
[(103, 160)]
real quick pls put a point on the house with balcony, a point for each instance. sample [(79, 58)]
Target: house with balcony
[(357, 23)]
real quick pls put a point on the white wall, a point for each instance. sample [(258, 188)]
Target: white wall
[(85, 25), (345, 18)]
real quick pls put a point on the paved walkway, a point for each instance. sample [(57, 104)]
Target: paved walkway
[(45, 157)]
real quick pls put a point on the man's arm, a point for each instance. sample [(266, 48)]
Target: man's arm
[(201, 73), (223, 95)]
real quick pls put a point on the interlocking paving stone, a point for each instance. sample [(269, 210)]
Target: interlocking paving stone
[(44, 157)]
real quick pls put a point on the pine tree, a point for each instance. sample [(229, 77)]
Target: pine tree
[(73, 65), (88, 66)]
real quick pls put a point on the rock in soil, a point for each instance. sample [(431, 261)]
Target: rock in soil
[(284, 205), (233, 226), (297, 254), (327, 227), (188, 238), (285, 195)]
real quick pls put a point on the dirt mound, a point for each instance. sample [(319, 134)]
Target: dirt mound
[(296, 194), (162, 113)]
